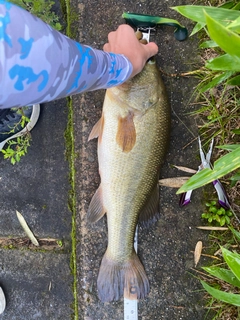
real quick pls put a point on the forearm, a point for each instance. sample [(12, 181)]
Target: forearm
[(39, 64)]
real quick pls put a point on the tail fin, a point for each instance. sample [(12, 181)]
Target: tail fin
[(116, 279)]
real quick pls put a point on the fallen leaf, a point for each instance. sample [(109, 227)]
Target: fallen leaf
[(176, 182), (185, 169), (212, 228), (218, 252), (2, 301), (27, 229), (197, 252), (49, 239)]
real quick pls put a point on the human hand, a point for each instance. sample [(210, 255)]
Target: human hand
[(124, 41)]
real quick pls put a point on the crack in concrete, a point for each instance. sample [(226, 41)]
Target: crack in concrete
[(25, 243)]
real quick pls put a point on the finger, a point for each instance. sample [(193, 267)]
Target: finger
[(106, 47), (151, 49), (125, 28), (111, 35)]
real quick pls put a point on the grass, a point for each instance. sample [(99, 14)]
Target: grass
[(218, 117), (217, 309), (219, 100), (219, 111)]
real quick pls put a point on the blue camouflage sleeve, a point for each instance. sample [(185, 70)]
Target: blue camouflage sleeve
[(39, 64)]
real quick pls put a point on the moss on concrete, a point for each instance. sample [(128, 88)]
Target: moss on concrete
[(70, 16), (70, 153)]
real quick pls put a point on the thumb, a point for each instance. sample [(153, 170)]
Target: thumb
[(151, 49)]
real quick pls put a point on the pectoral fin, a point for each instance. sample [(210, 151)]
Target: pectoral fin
[(96, 210), (126, 133), (150, 212), (97, 129)]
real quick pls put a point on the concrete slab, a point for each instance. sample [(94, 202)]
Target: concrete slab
[(38, 185), (166, 249), (38, 284)]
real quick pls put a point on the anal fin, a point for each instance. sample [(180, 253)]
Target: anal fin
[(150, 212), (96, 210)]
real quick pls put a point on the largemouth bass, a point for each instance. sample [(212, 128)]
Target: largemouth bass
[(132, 136)]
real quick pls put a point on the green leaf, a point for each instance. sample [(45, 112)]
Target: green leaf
[(235, 25), (217, 80), (236, 6), (229, 213), (196, 13), (235, 233), (198, 26), (233, 261), (227, 220), (17, 157), (223, 274), (222, 166), (231, 298), (224, 62), (221, 211), (234, 81), (228, 5), (222, 221), (236, 131), (58, 26), (229, 147), (234, 179), (208, 44), (226, 39), (213, 209)]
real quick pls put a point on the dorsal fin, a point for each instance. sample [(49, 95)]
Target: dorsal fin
[(126, 133), (97, 129)]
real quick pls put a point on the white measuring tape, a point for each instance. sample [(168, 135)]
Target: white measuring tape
[(131, 306)]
